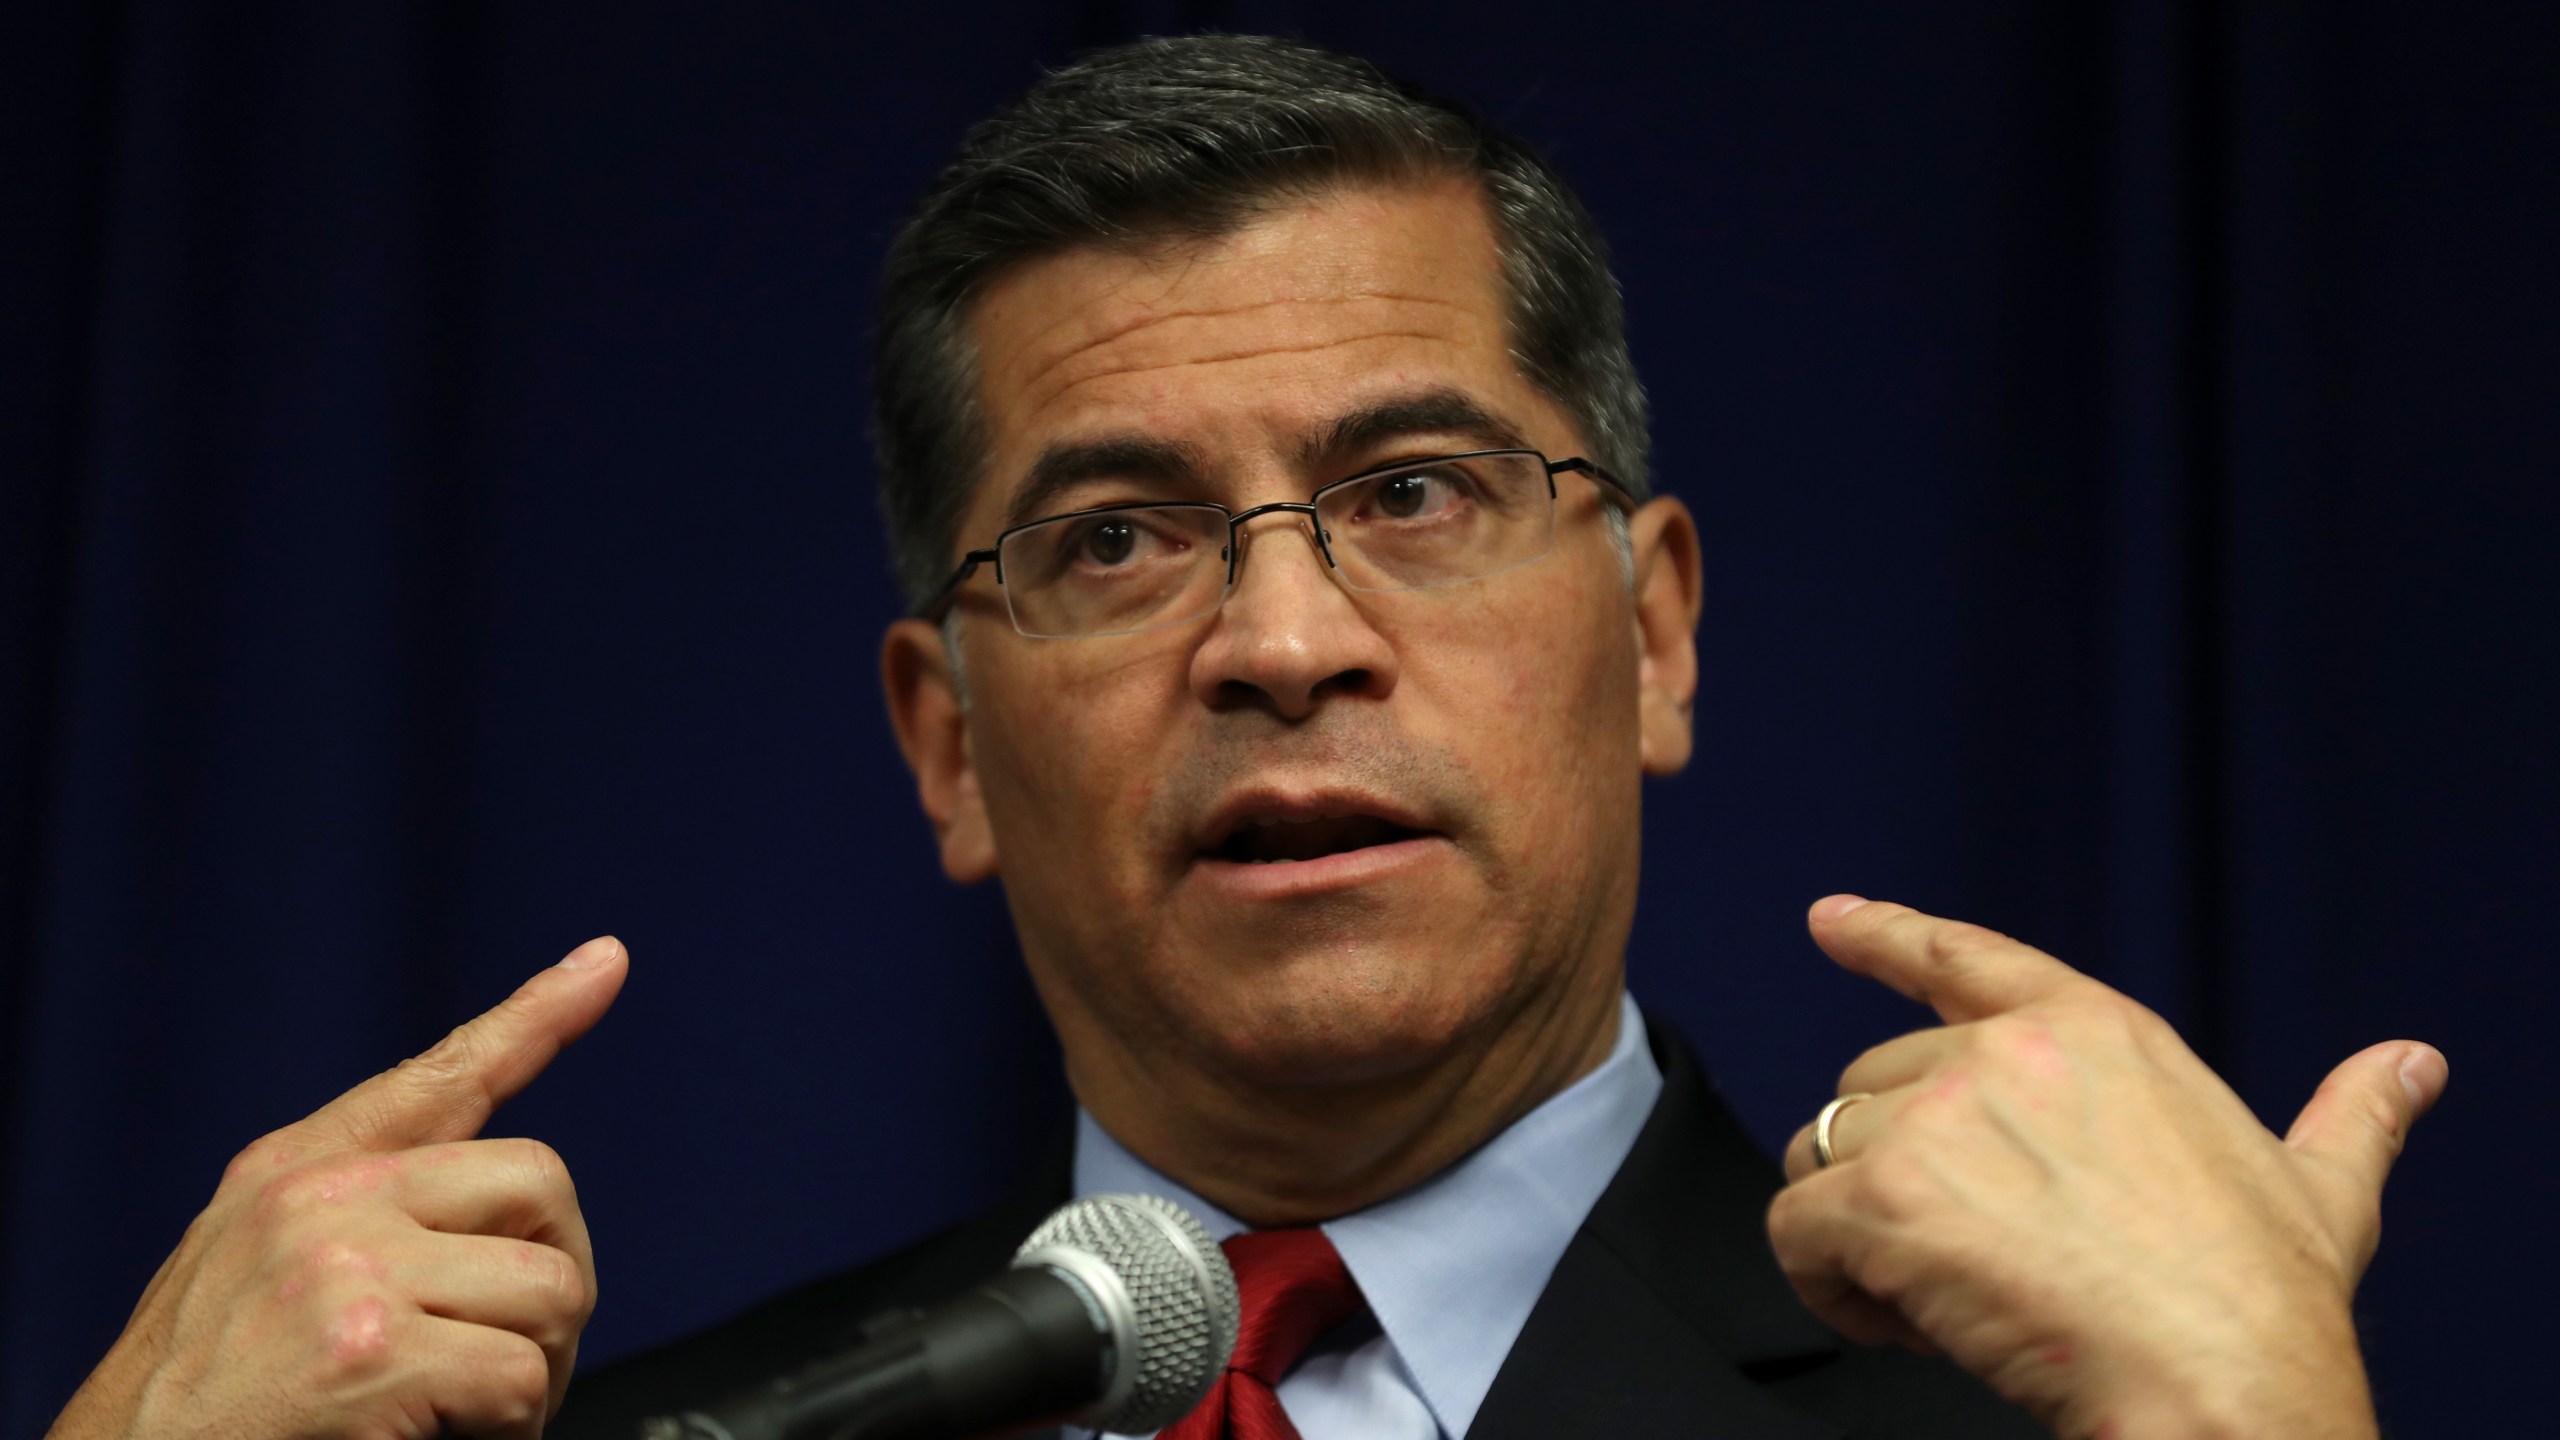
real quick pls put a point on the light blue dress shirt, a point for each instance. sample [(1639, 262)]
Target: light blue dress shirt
[(1452, 1267)]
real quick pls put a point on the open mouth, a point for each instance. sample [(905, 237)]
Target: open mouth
[(1272, 840)]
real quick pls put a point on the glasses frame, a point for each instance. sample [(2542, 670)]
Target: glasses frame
[(939, 606)]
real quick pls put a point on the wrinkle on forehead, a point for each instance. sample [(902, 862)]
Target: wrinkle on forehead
[(1153, 341), (1114, 372), (1147, 317), (1390, 258)]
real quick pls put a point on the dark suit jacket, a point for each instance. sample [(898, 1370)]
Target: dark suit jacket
[(1667, 1316)]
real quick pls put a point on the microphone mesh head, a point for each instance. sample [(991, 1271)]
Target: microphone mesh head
[(1182, 1290)]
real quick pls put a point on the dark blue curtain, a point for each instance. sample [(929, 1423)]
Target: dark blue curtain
[(435, 527)]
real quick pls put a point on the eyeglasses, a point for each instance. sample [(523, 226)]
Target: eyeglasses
[(1142, 565)]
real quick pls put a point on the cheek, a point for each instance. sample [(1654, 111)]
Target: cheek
[(1536, 693), (1070, 761)]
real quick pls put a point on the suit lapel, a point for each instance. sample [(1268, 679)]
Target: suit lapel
[(1667, 1311)]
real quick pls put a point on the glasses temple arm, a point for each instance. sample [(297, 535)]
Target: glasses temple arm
[(1596, 472), (939, 605)]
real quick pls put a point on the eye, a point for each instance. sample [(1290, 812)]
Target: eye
[(1404, 496), (1416, 494), (1116, 543), (1108, 542)]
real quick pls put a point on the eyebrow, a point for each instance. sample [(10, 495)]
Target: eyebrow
[(1439, 410), (1182, 466), (1068, 464)]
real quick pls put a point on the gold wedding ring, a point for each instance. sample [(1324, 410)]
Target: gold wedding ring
[(1822, 1152)]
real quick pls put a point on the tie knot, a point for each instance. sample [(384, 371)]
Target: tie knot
[(1292, 1287)]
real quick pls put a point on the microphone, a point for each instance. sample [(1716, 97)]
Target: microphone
[(1118, 1313)]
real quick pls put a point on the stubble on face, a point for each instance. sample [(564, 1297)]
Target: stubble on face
[(1335, 1018), (1498, 712)]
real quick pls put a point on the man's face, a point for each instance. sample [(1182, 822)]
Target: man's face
[(1452, 774)]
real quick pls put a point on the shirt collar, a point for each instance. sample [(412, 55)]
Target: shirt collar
[(1453, 1266)]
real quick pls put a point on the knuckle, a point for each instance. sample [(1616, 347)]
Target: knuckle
[(536, 1179), (520, 1376), (332, 1257), (2036, 1049), (262, 1157), (336, 1181), (540, 1165), (1786, 1217), (2113, 1008), (2383, 1119), (1788, 1213), (2008, 1030), (1952, 942), (356, 1345), (559, 1285), (2124, 1021), (296, 1193), (2015, 1036), (2149, 1026), (1892, 1187), (443, 1063), (1890, 1272), (491, 1029), (1867, 1059)]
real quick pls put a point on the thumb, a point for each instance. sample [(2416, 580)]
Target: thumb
[(449, 1092), (2361, 1115)]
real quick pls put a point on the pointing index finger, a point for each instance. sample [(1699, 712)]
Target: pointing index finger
[(450, 1091), (1964, 972)]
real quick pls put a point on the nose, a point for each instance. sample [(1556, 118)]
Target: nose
[(1288, 636)]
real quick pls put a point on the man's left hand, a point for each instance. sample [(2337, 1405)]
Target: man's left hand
[(2052, 1189)]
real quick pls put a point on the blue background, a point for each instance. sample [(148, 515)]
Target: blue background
[(435, 527)]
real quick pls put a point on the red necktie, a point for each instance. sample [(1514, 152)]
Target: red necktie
[(1292, 1288)]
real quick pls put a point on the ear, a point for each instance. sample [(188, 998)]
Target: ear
[(1669, 592), (933, 731)]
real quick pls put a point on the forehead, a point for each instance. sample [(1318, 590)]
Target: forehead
[(1249, 341)]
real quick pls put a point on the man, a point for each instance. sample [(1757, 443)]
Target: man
[(1295, 628)]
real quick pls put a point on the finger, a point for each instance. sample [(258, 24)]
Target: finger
[(513, 1188), (516, 1285), (1853, 1128), (1901, 1060), (1877, 1074), (1814, 1236), (532, 1290), (1869, 1321), (1856, 1314), (479, 1380), (449, 1092), (1964, 972), (2361, 1115)]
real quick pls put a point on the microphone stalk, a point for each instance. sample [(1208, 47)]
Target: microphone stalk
[(1119, 1313), (1023, 1350)]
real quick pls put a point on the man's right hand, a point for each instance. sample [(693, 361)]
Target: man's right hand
[(373, 1270)]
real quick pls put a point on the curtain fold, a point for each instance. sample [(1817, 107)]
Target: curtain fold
[(435, 528)]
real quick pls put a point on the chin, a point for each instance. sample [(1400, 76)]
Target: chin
[(1342, 1020)]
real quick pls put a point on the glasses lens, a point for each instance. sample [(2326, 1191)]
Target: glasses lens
[(1113, 571), (1437, 522)]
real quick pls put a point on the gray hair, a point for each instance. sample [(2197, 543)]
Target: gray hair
[(1192, 137)]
